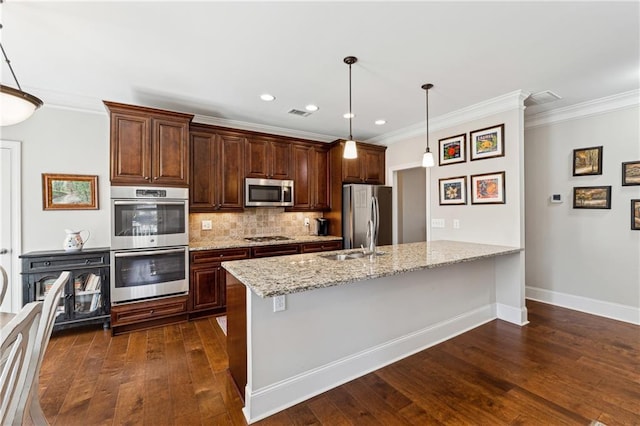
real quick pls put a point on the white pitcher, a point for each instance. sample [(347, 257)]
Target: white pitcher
[(73, 241)]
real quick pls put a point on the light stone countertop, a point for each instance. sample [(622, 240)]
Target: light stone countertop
[(223, 243), (276, 276)]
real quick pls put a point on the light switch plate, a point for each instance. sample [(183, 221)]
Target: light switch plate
[(437, 223), (206, 225)]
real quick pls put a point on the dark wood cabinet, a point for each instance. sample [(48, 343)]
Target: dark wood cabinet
[(367, 168), (311, 177), (267, 158), (152, 313), (217, 170), (207, 287), (148, 146), (85, 298), (275, 250), (321, 246)]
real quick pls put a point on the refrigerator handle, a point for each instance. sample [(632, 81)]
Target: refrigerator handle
[(375, 212)]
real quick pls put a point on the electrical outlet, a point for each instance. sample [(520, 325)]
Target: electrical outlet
[(306, 221), (456, 223), (206, 225), (437, 223), (279, 303)]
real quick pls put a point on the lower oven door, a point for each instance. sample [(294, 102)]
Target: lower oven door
[(143, 274)]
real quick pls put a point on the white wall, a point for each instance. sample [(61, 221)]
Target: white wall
[(583, 259), (56, 140), (411, 205)]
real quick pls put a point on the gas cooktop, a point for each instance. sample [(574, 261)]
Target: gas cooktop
[(263, 239)]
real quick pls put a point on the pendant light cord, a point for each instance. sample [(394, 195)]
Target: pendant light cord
[(350, 109), (6, 59), (427, 109)]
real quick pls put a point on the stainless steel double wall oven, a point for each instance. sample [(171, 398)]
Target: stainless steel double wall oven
[(149, 243)]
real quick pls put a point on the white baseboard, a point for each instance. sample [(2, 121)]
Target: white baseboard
[(601, 308), (513, 315), (269, 400)]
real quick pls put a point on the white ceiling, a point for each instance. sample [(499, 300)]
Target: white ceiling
[(215, 58)]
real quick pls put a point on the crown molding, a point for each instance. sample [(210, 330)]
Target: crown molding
[(585, 109), (262, 128), (497, 105)]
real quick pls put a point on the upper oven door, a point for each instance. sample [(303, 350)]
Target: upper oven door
[(149, 223)]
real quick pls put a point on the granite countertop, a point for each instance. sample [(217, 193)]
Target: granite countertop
[(223, 243), (275, 276)]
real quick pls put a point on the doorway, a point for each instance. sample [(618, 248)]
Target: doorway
[(411, 184), (10, 230)]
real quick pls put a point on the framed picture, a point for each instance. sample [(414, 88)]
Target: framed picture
[(487, 143), (488, 188), (592, 197), (69, 192), (635, 215), (452, 150), (453, 191), (631, 173), (587, 161)]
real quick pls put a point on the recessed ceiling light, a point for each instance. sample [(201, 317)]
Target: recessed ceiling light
[(267, 97), (380, 122), (348, 115), (312, 108)]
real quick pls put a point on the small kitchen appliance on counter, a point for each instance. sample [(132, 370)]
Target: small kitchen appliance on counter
[(323, 226)]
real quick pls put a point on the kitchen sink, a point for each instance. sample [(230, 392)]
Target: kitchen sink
[(347, 256)]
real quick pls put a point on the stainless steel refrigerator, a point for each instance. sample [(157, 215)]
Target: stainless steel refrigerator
[(361, 204)]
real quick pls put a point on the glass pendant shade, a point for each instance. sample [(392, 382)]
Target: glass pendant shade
[(16, 105), (427, 159), (350, 150)]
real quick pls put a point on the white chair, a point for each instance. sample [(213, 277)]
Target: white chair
[(4, 283), (29, 400), (17, 341)]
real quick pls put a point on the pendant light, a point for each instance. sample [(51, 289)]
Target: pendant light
[(15, 104), (350, 150), (427, 158)]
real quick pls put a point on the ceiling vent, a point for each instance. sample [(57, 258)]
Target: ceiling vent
[(299, 113), (541, 98)]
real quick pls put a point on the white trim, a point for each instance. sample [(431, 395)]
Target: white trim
[(15, 291), (585, 109), (601, 308), (261, 403), (510, 314), (500, 104)]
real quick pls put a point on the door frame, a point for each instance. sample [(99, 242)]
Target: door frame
[(14, 292), (392, 176)]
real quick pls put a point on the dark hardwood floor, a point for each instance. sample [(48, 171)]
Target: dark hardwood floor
[(565, 367)]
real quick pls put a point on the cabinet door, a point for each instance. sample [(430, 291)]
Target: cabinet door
[(207, 288), (257, 161), (87, 296), (230, 166), (202, 190), (373, 166), (130, 149), (320, 179), (352, 169), (170, 161), (301, 177), (280, 160)]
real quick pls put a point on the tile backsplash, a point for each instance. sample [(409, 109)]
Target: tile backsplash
[(251, 223)]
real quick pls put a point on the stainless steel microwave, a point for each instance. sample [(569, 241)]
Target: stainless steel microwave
[(268, 193)]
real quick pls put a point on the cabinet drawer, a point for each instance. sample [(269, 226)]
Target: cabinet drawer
[(143, 311), (276, 250), (321, 246), (61, 263), (222, 255)]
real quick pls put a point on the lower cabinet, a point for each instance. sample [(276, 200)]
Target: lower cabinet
[(321, 246), (207, 286), (151, 313), (85, 298)]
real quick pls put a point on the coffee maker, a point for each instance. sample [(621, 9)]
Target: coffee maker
[(323, 226)]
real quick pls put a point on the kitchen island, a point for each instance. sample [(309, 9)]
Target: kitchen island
[(347, 314)]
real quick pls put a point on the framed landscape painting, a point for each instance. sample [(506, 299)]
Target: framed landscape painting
[(452, 150), (631, 173), (587, 161), (635, 215), (453, 191), (488, 188), (69, 192), (592, 197), (487, 143)]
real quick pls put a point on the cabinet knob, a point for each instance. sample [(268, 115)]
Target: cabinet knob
[(47, 263), (146, 178), (151, 311), (87, 262), (155, 178)]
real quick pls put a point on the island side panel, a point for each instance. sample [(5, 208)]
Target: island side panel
[(237, 332)]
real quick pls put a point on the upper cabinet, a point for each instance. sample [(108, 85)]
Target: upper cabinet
[(148, 146), (217, 169), (311, 177), (367, 168), (267, 158)]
